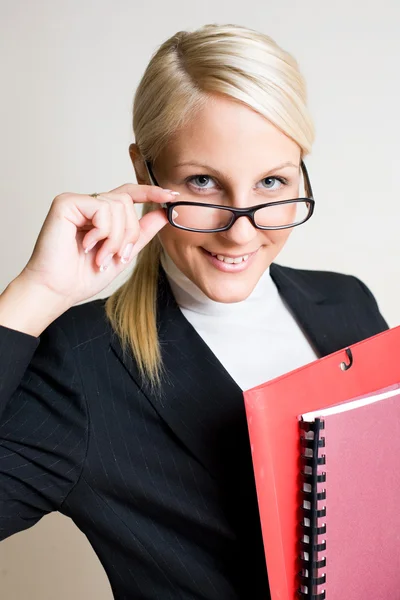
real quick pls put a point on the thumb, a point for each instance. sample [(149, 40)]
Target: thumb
[(150, 225)]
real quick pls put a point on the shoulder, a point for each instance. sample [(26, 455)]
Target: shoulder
[(331, 285)]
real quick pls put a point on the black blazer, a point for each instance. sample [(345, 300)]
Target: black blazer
[(162, 487)]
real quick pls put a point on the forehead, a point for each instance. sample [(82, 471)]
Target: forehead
[(227, 132)]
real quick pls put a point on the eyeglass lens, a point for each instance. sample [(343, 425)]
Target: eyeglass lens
[(206, 218)]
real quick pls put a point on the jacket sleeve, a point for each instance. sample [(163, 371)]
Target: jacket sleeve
[(43, 426)]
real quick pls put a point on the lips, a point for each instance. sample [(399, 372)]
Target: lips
[(229, 264)]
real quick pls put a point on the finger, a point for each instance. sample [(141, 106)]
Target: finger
[(144, 193), (96, 222), (150, 225), (132, 229), (101, 222), (129, 229), (113, 242)]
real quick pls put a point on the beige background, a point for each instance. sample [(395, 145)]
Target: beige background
[(68, 74)]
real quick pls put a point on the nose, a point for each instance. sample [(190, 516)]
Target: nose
[(241, 233)]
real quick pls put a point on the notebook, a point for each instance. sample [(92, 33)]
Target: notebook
[(349, 537), (370, 367)]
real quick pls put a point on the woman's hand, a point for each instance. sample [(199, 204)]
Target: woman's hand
[(84, 244)]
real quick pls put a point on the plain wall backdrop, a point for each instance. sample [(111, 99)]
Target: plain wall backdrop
[(68, 74)]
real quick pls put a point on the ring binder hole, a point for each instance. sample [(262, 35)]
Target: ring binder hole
[(345, 366), (308, 453), (307, 504), (308, 470), (306, 539), (306, 487), (306, 522)]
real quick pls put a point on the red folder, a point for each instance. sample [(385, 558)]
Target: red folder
[(272, 413)]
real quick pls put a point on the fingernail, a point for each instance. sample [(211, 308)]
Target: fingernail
[(89, 248), (172, 193), (106, 262), (127, 254)]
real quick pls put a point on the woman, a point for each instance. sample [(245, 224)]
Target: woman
[(126, 414)]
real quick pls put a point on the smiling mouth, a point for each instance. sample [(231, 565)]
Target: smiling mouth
[(229, 258)]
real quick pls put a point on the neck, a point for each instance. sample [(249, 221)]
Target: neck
[(189, 296)]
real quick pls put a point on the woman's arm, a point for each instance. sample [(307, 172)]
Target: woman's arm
[(25, 312), (82, 246), (43, 426), (29, 307)]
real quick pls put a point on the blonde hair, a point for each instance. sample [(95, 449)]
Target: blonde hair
[(238, 62)]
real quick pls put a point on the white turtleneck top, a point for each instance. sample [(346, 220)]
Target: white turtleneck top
[(255, 340)]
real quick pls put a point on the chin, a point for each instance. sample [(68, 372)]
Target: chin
[(228, 292)]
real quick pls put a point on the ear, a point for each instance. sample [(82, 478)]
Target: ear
[(138, 165)]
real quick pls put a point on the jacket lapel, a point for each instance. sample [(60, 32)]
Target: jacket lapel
[(199, 401), (316, 313), (332, 313), (198, 397)]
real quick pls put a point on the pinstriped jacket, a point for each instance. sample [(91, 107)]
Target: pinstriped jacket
[(161, 485)]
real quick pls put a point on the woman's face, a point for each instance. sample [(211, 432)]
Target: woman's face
[(227, 155)]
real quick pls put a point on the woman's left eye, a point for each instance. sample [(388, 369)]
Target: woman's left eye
[(270, 183)]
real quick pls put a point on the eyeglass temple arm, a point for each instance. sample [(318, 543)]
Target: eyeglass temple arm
[(150, 173), (307, 184)]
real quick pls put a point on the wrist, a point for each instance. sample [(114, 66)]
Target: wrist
[(29, 307)]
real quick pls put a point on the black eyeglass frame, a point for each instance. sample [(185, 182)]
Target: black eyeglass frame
[(239, 212)]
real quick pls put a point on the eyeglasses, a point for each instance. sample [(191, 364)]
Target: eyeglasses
[(212, 218)]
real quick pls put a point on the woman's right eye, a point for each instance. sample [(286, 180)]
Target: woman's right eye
[(201, 181)]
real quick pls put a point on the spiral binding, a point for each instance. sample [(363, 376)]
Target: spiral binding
[(312, 551)]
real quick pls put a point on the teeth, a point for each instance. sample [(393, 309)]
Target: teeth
[(229, 260)]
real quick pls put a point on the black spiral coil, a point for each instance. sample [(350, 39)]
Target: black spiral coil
[(312, 558)]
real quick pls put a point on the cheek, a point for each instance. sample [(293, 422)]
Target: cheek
[(177, 242), (278, 238)]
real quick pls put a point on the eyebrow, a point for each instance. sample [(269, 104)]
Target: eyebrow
[(208, 168)]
